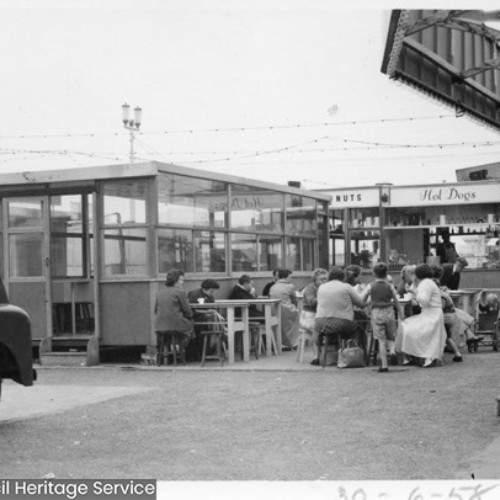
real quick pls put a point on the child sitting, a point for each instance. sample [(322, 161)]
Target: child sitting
[(491, 304), (383, 300)]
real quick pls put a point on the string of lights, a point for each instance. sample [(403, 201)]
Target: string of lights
[(371, 146), (233, 129)]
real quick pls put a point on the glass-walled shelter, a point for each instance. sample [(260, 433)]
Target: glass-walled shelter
[(84, 251)]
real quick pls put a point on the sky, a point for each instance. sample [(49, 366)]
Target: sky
[(271, 90)]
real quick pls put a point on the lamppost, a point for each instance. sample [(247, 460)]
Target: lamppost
[(131, 125)]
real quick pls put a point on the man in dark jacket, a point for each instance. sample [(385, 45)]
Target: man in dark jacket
[(204, 295), (446, 250), (245, 290)]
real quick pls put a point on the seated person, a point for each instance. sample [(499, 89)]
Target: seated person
[(204, 294), (267, 288), (310, 303), (404, 286), (172, 310), (352, 274), (423, 335), (285, 290), (245, 290), (451, 321), (490, 305), (335, 311)]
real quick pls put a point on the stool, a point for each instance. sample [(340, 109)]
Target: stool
[(323, 342), (304, 336), (219, 347), (167, 341)]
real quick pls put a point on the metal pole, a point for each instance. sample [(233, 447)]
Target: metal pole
[(132, 156)]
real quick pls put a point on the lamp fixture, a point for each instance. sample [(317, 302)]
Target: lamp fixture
[(132, 125)]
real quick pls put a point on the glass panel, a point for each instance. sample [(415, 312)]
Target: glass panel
[(25, 212), (209, 252), (1, 239), (244, 252), (191, 202), (66, 256), (270, 252), (337, 222), (293, 254), (125, 201), (175, 250), (66, 214), (125, 251), (337, 252), (66, 222), (308, 255), (256, 209), (301, 215), (26, 251), (365, 248)]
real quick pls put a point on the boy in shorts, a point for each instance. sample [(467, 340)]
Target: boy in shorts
[(383, 299)]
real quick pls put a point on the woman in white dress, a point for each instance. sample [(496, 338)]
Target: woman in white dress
[(424, 334)]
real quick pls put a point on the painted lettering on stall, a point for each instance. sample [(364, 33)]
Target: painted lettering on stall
[(241, 203), (446, 194), (348, 197)]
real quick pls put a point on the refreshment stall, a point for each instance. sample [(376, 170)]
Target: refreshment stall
[(406, 224)]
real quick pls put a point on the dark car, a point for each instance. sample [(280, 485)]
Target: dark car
[(16, 359)]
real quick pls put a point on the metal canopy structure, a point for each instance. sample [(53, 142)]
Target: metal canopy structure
[(452, 55)]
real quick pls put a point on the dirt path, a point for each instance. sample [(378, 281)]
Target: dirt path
[(413, 423)]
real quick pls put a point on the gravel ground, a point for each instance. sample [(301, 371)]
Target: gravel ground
[(329, 424)]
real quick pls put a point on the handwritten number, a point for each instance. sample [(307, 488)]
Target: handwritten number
[(342, 494), (453, 495), (415, 495), (477, 495), (361, 496)]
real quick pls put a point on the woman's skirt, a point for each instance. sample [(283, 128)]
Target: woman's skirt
[(423, 335)]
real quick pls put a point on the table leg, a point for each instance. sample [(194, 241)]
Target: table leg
[(269, 329), (277, 310), (230, 335), (246, 334)]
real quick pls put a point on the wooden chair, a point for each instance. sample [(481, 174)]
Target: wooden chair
[(304, 337), (258, 332), (170, 344), (487, 325)]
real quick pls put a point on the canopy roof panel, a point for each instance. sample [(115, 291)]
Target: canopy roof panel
[(452, 55)]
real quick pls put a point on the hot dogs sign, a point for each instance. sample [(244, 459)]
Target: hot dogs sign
[(445, 195)]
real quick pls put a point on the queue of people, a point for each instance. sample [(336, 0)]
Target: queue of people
[(336, 306)]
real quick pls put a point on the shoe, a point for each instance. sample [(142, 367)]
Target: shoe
[(408, 362), (285, 348), (383, 370), (315, 362), (428, 362), (458, 359)]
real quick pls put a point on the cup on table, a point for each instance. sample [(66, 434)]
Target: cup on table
[(201, 300)]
